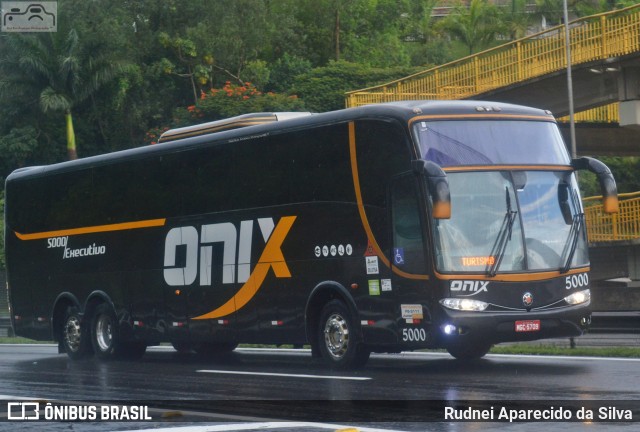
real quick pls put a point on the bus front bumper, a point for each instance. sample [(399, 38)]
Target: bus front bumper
[(496, 327)]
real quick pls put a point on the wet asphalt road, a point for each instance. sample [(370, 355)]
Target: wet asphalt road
[(399, 392)]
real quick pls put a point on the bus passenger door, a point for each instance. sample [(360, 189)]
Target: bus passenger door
[(409, 258)]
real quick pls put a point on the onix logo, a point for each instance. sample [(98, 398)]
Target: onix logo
[(475, 287), (226, 233)]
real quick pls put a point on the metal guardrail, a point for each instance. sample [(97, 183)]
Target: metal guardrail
[(621, 226), (615, 322), (5, 327), (592, 38)]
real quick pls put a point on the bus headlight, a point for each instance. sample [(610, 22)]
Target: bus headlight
[(578, 297), (464, 304)]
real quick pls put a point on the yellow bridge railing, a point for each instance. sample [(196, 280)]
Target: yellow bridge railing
[(602, 114), (624, 225), (596, 37)]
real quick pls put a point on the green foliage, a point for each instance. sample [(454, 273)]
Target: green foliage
[(625, 170), (257, 72), (476, 26), (123, 67), (516, 19), (2, 257), (284, 71), (528, 349), (54, 73), (16, 148), (323, 88)]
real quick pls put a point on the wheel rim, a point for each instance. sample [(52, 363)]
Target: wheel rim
[(72, 334), (104, 334), (336, 336)]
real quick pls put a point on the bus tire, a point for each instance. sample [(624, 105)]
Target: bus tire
[(469, 351), (337, 340), (74, 336), (105, 336)]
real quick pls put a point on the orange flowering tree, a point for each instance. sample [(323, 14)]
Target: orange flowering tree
[(229, 101)]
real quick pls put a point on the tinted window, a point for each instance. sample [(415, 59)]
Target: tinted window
[(483, 142), (408, 240)]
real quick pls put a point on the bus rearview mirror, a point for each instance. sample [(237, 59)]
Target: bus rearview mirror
[(438, 187), (605, 178)]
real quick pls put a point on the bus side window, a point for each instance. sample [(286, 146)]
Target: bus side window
[(408, 237)]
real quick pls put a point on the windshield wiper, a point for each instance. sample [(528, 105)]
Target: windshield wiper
[(572, 241), (570, 247), (503, 238)]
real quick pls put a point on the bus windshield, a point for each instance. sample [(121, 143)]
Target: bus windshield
[(482, 142), (505, 220), (511, 221)]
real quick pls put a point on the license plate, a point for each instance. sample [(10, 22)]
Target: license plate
[(528, 326)]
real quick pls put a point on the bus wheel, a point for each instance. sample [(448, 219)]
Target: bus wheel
[(105, 337), (75, 338), (337, 340), (470, 351)]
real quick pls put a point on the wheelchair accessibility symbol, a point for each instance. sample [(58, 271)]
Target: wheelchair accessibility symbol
[(398, 256)]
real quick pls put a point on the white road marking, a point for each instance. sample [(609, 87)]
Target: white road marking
[(329, 377), (262, 426), (567, 357)]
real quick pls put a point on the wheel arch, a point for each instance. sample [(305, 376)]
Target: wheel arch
[(60, 305), (323, 293), (95, 299)]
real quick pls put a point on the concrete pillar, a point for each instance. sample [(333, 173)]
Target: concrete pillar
[(633, 262), (629, 95)]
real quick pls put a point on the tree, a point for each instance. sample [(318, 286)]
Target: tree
[(516, 19), (322, 89), (476, 27), (51, 71)]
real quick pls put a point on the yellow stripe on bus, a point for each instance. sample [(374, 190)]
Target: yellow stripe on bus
[(363, 214), (93, 229)]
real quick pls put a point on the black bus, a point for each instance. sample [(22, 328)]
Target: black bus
[(383, 228)]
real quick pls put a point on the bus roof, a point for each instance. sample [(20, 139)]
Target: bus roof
[(228, 124), (259, 123)]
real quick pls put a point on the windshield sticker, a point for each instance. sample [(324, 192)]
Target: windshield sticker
[(374, 287), (372, 265), (386, 284)]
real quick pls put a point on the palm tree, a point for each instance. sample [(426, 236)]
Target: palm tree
[(476, 26), (516, 19), (50, 71)]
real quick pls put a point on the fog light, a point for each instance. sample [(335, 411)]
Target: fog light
[(578, 297), (449, 329)]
